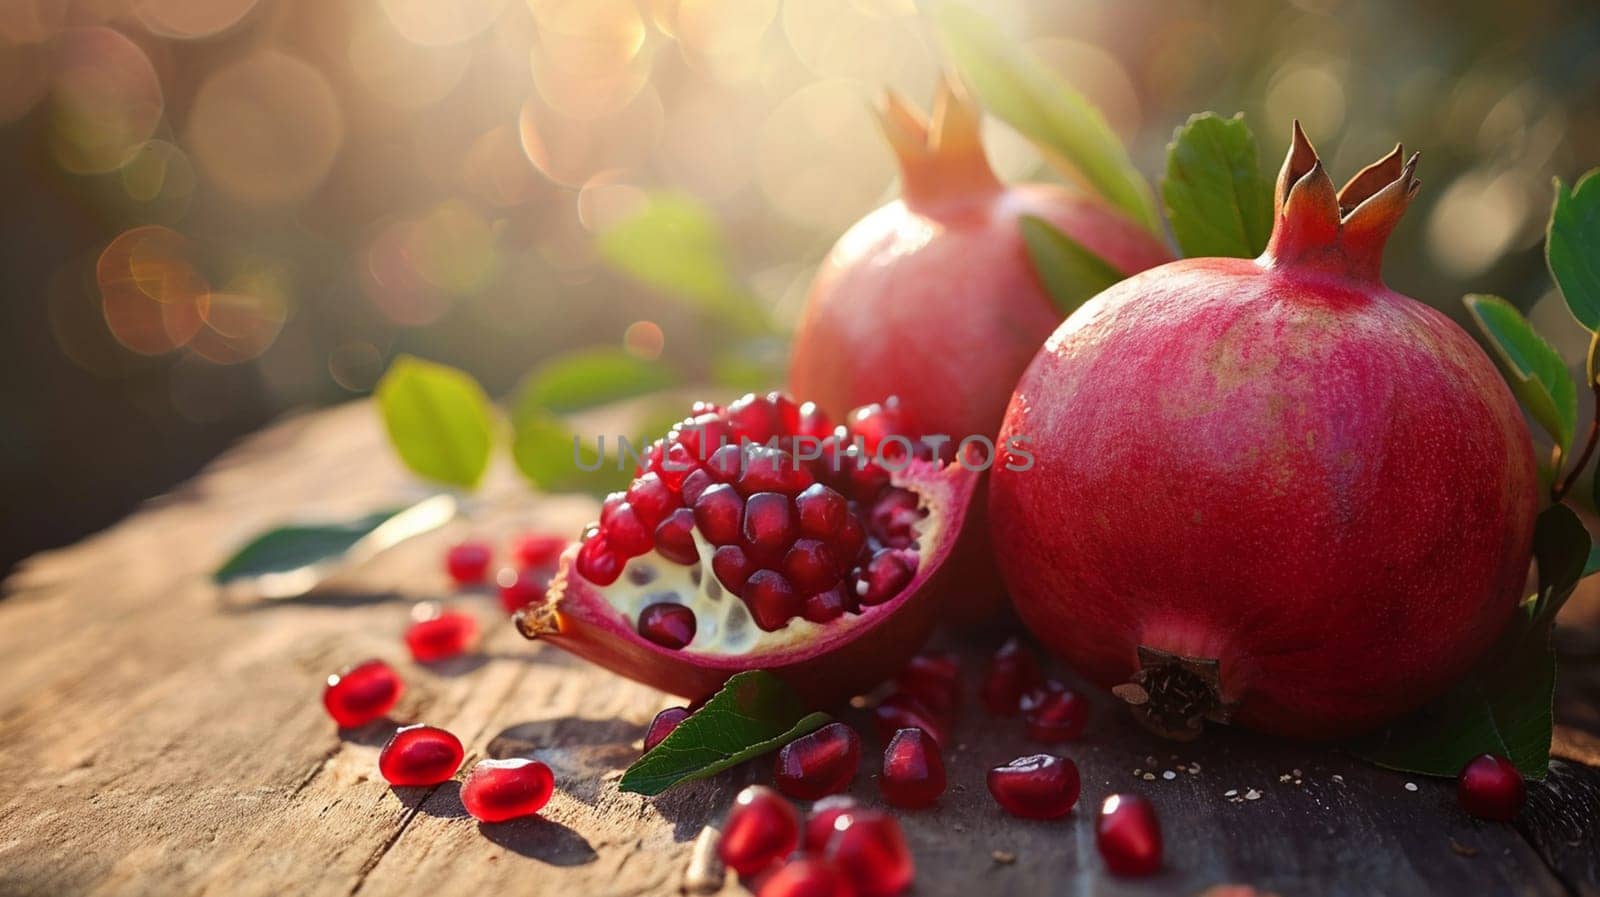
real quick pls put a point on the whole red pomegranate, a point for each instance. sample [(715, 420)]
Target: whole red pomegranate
[(759, 536), (1275, 491)]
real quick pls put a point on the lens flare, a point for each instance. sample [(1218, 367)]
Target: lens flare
[(105, 100), (191, 19), (151, 297)]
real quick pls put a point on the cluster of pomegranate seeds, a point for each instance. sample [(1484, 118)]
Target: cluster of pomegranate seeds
[(468, 562), (1128, 835), (913, 770), (1490, 787), (362, 693), (808, 877), (498, 790), (761, 829), (1041, 786), (819, 764), (420, 755), (1011, 673), (870, 849), (663, 724), (789, 534), (436, 635)]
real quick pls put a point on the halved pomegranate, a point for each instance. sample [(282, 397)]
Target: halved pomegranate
[(760, 536)]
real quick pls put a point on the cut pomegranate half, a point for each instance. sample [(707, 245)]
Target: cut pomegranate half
[(813, 558)]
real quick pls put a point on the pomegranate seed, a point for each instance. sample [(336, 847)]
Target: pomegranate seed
[(663, 724), (807, 877), (675, 537), (761, 828), (863, 479), (702, 434), (787, 412), (420, 755), (768, 521), (359, 694), (1040, 693), (732, 567), (813, 421), (468, 562), (439, 635), (538, 550), (1128, 835), (497, 790), (520, 588), (810, 565), (849, 541), (1060, 716), (894, 517), (913, 770), (695, 485), (754, 418), (870, 849), (826, 605), (771, 599), (933, 679), (902, 711), (772, 470), (1490, 787), (650, 499), (668, 625), (724, 465), (824, 813), (876, 422), (718, 513), (1012, 672), (883, 578), (609, 506), (821, 510), (627, 533), (678, 464), (1037, 787), (598, 563), (819, 764)]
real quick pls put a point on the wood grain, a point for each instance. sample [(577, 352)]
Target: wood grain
[(157, 739)]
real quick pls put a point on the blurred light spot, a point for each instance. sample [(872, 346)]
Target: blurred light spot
[(202, 393), (585, 94), (160, 179), (570, 151), (644, 339), (1098, 76), (243, 318), (393, 283), (605, 200), (822, 159), (1311, 93), (725, 36), (496, 171), (855, 39), (1012, 156), (588, 37), (709, 148), (1178, 48), (32, 21), (403, 74), (190, 19), (454, 249), (266, 130), (105, 100), (152, 299), (356, 366), (1475, 220), (434, 23), (24, 75)]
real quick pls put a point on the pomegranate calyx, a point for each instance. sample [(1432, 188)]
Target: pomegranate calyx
[(939, 158), (1173, 695)]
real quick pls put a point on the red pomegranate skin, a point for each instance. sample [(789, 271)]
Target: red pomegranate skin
[(1278, 464)]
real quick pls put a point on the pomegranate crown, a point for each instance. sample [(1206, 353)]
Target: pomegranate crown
[(1341, 231), (942, 156)]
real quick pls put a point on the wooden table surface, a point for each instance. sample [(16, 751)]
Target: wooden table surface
[(156, 739)]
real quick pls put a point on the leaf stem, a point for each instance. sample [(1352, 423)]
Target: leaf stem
[(1564, 484)]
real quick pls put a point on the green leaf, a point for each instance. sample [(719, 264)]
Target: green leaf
[(1218, 201), (290, 548), (1562, 548), (438, 419), (587, 378), (755, 713), (554, 459), (1071, 274), (1572, 247), (1026, 94), (1535, 370)]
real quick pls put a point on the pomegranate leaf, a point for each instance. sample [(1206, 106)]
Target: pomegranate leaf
[(1535, 370), (755, 713), (1071, 274), (1028, 95), (1570, 247), (439, 420), (554, 459), (587, 378), (1217, 199), (1563, 551)]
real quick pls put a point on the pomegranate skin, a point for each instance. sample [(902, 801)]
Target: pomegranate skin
[(1273, 477)]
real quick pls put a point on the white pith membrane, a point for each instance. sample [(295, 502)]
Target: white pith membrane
[(723, 625)]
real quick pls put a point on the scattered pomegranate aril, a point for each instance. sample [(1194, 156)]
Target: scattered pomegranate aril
[(436, 635), (420, 755), (1011, 673), (761, 828), (1491, 787), (870, 849), (663, 724), (668, 625), (359, 694), (807, 877), (1036, 696), (934, 680), (520, 588), (498, 790), (1128, 835), (1058, 716), (819, 764), (913, 770), (902, 711), (468, 562), (538, 550), (820, 822), (1040, 786)]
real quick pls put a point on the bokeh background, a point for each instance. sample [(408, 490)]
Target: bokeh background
[(214, 211)]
